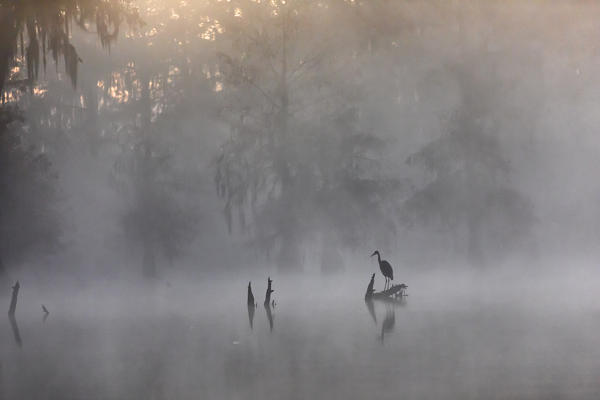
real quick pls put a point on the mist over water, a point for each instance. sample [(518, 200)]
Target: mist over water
[(455, 336)]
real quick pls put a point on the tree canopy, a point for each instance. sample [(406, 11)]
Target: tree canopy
[(33, 29)]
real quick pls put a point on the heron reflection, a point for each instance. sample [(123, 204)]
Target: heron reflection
[(389, 322)]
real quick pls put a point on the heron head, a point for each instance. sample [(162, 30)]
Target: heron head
[(376, 252)]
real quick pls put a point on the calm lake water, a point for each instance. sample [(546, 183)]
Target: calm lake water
[(455, 337)]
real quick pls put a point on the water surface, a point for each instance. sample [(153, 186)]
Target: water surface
[(453, 338)]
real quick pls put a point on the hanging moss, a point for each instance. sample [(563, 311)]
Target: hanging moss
[(38, 26)]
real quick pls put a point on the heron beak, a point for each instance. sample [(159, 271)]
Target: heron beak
[(373, 254)]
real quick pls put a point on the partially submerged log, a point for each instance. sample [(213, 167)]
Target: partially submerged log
[(395, 292), (13, 300)]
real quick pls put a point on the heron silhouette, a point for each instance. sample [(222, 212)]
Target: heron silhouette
[(385, 267)]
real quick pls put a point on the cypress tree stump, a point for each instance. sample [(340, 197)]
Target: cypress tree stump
[(251, 310), (269, 315), (250, 295), (251, 305), (268, 294)]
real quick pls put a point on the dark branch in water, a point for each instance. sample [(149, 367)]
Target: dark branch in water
[(13, 300), (269, 291), (269, 315), (15, 329), (251, 310)]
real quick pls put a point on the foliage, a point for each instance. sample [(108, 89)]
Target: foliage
[(158, 213), (299, 161), (37, 28), (29, 221), (470, 186)]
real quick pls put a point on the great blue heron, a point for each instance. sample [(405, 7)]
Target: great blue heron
[(385, 267)]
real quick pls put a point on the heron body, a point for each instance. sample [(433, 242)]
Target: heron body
[(385, 267)]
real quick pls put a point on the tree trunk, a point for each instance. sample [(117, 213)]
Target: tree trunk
[(331, 259), (474, 245), (91, 119), (149, 260), (145, 109), (8, 33), (289, 258)]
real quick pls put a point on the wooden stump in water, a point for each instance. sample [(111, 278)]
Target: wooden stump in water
[(269, 291), (251, 310), (250, 295), (370, 290), (394, 293), (13, 300), (269, 315)]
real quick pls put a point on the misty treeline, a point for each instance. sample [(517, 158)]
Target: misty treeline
[(293, 133)]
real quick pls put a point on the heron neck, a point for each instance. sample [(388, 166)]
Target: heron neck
[(378, 258)]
